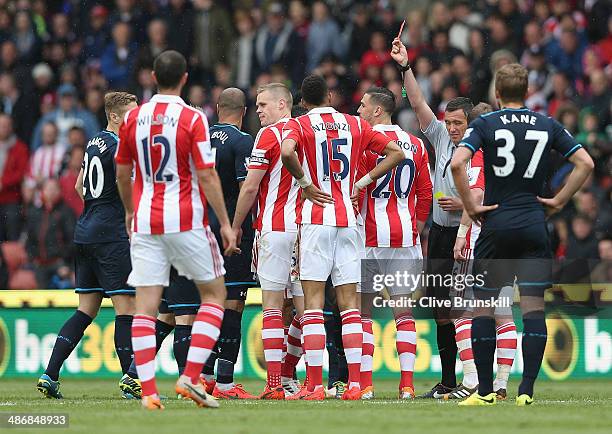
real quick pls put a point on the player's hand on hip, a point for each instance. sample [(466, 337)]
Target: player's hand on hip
[(478, 213), (448, 203), (129, 217), (317, 196), (399, 52), (355, 197), (229, 240), (552, 205), (459, 249)]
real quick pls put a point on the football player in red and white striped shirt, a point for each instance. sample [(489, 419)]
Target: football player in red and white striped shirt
[(329, 145), (395, 209), (276, 193), (464, 256), (168, 143)]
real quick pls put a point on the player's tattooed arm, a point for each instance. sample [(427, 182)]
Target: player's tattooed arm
[(124, 185), (78, 186), (292, 164), (459, 168), (583, 166)]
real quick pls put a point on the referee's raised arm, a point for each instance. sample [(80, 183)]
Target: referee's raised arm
[(422, 110)]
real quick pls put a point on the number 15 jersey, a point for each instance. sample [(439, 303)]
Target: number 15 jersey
[(168, 141), (330, 145)]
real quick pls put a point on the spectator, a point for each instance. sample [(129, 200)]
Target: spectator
[(562, 92), (96, 36), (69, 178), (94, 103), (179, 15), (157, 33), (13, 168), (298, 13), (129, 13), (46, 162), (50, 229), (22, 106), (42, 76), (464, 20), (376, 56), (388, 21), (67, 115), (415, 35), (500, 36), (242, 50), (9, 63), (117, 61), (213, 33), (605, 45), (601, 94), (323, 37), (361, 28), (566, 53), (481, 73), (277, 43), (77, 138), (26, 40), (145, 86)]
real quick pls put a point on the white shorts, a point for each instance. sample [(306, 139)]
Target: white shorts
[(407, 262), (330, 250), (274, 253), (195, 255)]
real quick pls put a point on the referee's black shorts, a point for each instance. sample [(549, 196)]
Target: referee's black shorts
[(440, 262)]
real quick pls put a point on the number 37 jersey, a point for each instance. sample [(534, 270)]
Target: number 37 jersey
[(167, 141), (330, 145), (103, 217), (516, 145)]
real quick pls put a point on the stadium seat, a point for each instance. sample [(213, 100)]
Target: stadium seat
[(14, 254), (23, 279)]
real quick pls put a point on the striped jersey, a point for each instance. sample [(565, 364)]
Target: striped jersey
[(392, 205), (330, 145), (168, 141), (47, 162), (476, 179), (278, 190)]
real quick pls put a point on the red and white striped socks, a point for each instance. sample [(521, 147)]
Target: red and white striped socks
[(405, 342), (367, 352), (506, 350), (204, 335), (294, 348), (352, 340), (313, 332), (273, 336), (463, 337), (143, 344)]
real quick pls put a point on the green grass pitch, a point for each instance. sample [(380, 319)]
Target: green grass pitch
[(95, 407)]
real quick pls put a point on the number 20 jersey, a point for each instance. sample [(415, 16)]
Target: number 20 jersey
[(330, 145), (103, 217), (516, 146), (168, 141), (393, 203)]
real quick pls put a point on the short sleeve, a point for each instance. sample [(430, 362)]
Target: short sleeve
[(262, 150), (241, 156), (436, 134), (373, 140), (473, 138), (124, 147), (203, 156), (293, 130), (476, 177), (562, 141)]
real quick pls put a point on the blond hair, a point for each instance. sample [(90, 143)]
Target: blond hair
[(511, 82), (279, 90), (115, 102)]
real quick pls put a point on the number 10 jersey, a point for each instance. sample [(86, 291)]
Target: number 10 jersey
[(103, 217)]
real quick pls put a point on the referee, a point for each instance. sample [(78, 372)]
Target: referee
[(447, 208)]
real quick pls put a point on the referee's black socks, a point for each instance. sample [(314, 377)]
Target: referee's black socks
[(533, 344), (483, 348), (447, 348)]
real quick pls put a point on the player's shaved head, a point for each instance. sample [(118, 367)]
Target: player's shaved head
[(479, 109), (169, 68), (314, 90), (278, 91), (382, 97), (231, 100)]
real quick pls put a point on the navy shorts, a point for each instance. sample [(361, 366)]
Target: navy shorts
[(103, 267), (181, 297), (524, 254), (238, 275)]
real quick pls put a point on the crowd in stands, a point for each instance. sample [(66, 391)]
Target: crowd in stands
[(59, 57)]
